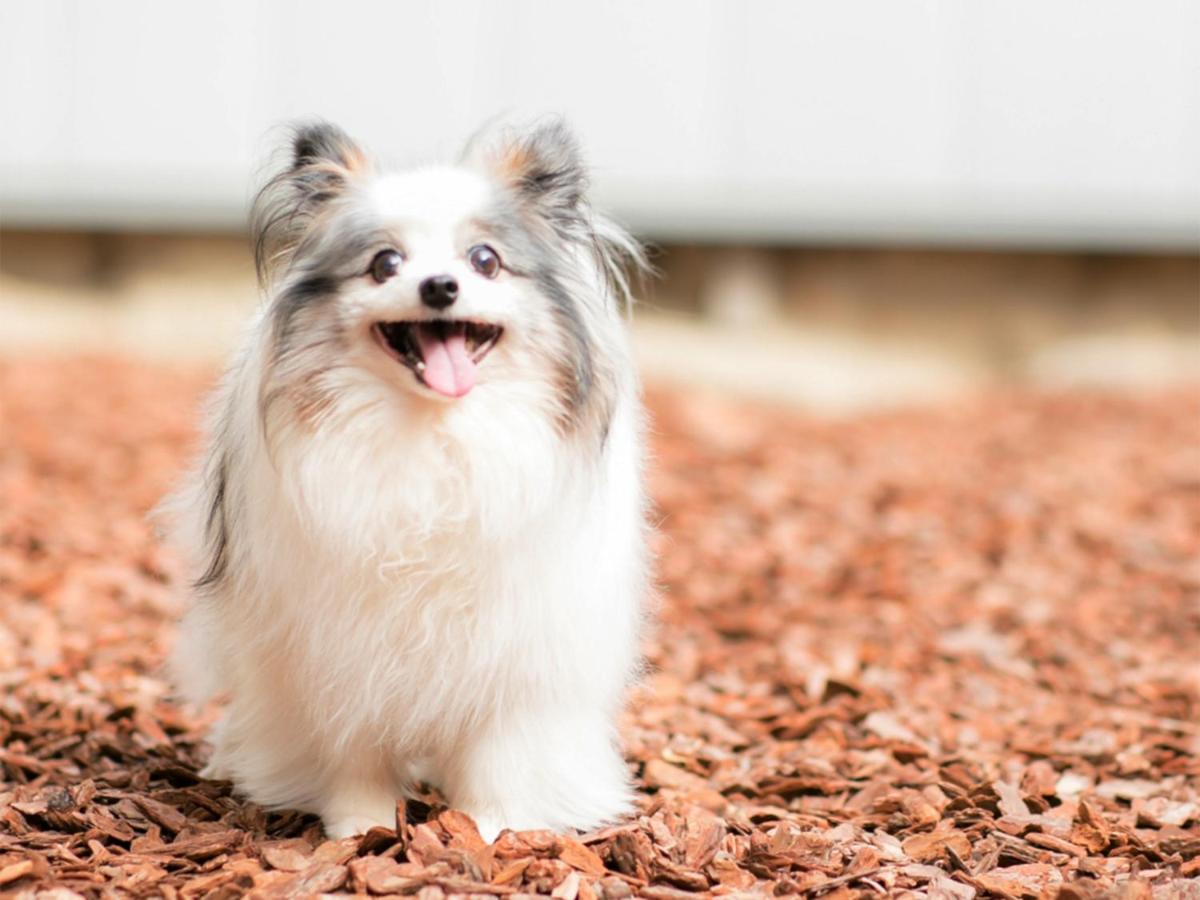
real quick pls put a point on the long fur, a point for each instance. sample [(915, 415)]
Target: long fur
[(389, 586)]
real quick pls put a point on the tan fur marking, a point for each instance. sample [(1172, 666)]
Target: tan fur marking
[(513, 162)]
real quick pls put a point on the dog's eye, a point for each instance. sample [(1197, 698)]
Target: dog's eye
[(385, 264), (484, 260)]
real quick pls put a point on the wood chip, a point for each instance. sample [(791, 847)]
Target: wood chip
[(580, 857)]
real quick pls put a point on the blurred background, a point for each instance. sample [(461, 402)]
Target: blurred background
[(852, 205)]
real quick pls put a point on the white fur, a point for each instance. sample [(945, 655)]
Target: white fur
[(422, 588)]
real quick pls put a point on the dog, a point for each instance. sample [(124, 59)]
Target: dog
[(417, 526)]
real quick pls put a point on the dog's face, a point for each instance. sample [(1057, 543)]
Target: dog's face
[(436, 282), (447, 287)]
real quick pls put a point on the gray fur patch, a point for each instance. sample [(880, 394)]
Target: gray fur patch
[(216, 528)]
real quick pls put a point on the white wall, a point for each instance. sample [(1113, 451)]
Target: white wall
[(1027, 121)]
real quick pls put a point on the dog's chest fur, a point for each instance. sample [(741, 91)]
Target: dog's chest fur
[(436, 579)]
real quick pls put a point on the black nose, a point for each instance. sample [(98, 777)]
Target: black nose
[(439, 291)]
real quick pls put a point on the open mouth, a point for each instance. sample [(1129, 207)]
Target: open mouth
[(442, 354)]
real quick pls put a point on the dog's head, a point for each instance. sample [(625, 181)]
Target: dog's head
[(439, 284)]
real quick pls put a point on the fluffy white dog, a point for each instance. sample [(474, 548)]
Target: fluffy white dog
[(417, 525)]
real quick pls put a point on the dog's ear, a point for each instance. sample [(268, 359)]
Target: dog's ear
[(322, 145), (323, 161), (543, 167)]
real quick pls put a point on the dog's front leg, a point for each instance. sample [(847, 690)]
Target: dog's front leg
[(545, 768)]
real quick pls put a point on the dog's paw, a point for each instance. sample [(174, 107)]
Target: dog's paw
[(489, 827), (216, 772), (349, 826)]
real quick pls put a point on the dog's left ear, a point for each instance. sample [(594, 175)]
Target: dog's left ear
[(543, 168)]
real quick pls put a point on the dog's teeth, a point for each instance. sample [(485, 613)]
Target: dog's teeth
[(419, 366)]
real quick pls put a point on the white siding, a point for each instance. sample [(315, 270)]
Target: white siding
[(959, 120)]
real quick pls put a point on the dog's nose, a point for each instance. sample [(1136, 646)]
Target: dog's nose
[(439, 291)]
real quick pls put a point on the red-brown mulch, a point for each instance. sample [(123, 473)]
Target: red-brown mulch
[(953, 652)]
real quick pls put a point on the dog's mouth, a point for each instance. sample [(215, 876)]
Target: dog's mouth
[(443, 354)]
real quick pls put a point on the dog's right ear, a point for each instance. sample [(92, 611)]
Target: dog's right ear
[(324, 160), (323, 144)]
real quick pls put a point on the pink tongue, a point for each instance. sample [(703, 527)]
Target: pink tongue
[(449, 369)]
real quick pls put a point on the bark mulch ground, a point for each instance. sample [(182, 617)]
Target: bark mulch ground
[(951, 652)]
